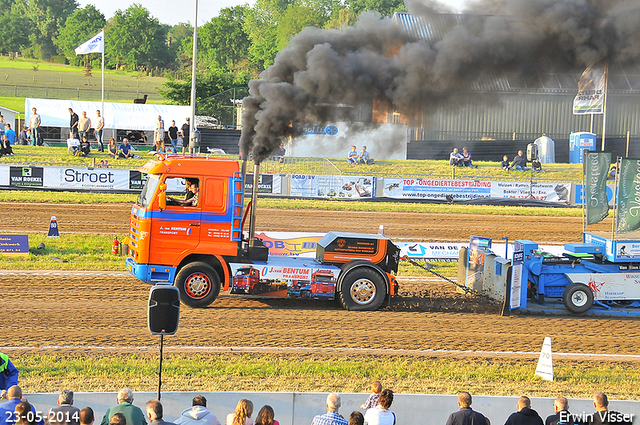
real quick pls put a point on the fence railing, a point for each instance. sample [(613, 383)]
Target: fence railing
[(51, 92)]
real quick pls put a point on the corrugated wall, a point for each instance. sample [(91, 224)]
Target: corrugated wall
[(526, 116)]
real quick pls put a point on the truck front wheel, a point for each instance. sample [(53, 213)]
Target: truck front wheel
[(199, 284), (577, 297), (362, 289)]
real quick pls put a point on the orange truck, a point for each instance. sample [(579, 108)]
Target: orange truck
[(195, 241)]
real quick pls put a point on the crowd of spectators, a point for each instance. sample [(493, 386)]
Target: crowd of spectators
[(377, 412)]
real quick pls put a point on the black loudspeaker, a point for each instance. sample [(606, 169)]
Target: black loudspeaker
[(164, 309)]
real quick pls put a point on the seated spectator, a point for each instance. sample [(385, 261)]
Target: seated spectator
[(23, 137), (280, 154), (155, 413), (466, 159), (64, 413), (85, 147), (525, 414), (5, 147), (266, 416), (14, 398), (381, 415), (455, 158), (197, 414), (242, 415), (112, 149), (332, 417), (125, 151), (356, 418), (87, 417), (352, 156), (365, 157), (118, 419), (536, 165), (23, 414), (520, 162), (505, 164), (604, 416), (466, 415), (372, 400), (131, 415), (561, 415), (613, 171)]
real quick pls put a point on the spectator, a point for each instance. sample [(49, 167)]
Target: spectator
[(280, 154), (7, 409), (185, 136), (73, 124), (466, 415), (23, 137), (99, 130), (266, 416), (365, 157), (332, 417), (613, 171), (466, 159), (561, 413), (118, 419), (24, 414), (11, 135), (154, 413), (381, 415), (85, 147), (112, 148), (525, 414), (5, 147), (84, 124), (505, 164), (173, 135), (352, 156), (125, 151), (372, 401), (455, 158), (356, 418), (197, 414), (519, 162), (158, 136), (64, 412), (87, 417), (242, 415), (132, 414), (34, 126), (604, 416), (8, 376), (536, 165)]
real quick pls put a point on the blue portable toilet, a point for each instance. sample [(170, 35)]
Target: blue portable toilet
[(579, 142)]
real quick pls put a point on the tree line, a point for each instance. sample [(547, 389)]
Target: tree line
[(233, 47)]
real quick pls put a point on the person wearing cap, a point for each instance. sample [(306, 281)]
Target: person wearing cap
[(185, 136)]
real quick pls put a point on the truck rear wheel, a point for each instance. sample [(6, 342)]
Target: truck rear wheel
[(577, 297), (362, 289), (199, 284)]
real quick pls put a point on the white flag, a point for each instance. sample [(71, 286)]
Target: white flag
[(545, 363), (591, 91), (95, 45)]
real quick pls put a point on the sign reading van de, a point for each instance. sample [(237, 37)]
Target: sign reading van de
[(25, 176)]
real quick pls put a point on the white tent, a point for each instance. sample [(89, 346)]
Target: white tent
[(124, 116)]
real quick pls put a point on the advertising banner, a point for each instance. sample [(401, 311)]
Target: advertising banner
[(470, 189), (346, 187), (629, 196), (515, 300), (4, 175), (14, 244), (287, 244), (267, 183), (26, 176), (137, 180), (87, 178), (596, 171), (435, 251), (591, 90)]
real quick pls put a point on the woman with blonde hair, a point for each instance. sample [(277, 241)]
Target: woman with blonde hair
[(242, 415)]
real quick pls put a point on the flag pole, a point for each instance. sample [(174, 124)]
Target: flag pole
[(604, 108), (103, 49)]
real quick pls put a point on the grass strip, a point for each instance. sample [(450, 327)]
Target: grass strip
[(309, 373)]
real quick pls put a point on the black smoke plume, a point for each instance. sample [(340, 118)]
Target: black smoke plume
[(377, 60)]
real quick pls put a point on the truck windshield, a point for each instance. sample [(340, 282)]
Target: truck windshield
[(146, 196), (324, 278), (243, 272)]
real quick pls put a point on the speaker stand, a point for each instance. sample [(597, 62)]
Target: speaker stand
[(160, 369)]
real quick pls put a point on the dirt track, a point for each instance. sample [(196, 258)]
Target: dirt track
[(110, 310)]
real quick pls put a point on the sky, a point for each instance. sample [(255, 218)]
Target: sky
[(173, 12)]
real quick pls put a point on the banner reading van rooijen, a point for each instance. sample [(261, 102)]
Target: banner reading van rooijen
[(596, 171), (629, 196)]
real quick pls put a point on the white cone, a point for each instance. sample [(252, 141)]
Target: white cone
[(545, 363)]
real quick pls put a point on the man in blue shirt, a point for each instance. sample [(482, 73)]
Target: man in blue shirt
[(332, 417), (124, 151), (8, 375), (352, 156), (11, 135), (364, 157), (14, 396)]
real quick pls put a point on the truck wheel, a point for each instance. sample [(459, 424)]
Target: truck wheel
[(577, 297), (199, 284), (362, 289)]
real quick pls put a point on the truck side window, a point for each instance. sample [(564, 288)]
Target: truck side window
[(182, 191), (215, 196)]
